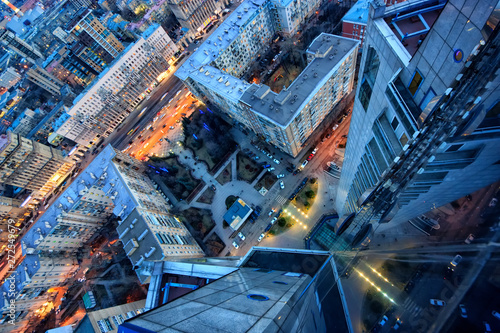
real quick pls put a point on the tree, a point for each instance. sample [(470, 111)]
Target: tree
[(313, 180), (310, 194), (307, 204), (281, 222)]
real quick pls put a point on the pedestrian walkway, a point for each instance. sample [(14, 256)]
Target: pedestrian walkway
[(280, 199)]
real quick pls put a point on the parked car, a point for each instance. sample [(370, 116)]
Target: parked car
[(487, 327), (213, 188), (463, 311), (383, 320), (469, 239), (258, 209), (281, 175), (236, 246), (274, 220), (276, 161), (289, 169), (495, 314), (315, 151), (261, 237), (256, 158), (437, 302), (397, 325), (240, 235), (266, 166), (304, 164), (282, 185), (271, 169), (269, 226)]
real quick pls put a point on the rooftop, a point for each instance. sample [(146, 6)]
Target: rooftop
[(220, 39), (330, 51), (237, 214), (358, 13)]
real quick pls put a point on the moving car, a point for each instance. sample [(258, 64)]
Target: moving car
[(240, 235), (463, 311), (282, 186), (261, 237), (437, 302), (236, 246), (456, 261), (397, 324)]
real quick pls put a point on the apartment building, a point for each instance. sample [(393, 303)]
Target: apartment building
[(39, 76), (355, 20), (31, 165), (413, 53), (104, 104), (9, 77), (113, 184), (290, 14), (286, 119), (195, 14)]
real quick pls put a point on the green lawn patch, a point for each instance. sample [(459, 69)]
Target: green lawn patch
[(207, 196), (224, 176), (305, 198), (199, 221), (267, 181), (207, 135), (177, 178), (247, 168)]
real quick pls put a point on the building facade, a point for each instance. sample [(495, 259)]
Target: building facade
[(113, 184), (16, 44), (355, 20), (9, 77), (289, 14), (103, 105), (405, 69), (39, 76), (31, 165), (98, 45), (285, 119), (194, 14)]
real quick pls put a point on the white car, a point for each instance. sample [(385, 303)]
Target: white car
[(269, 155), (261, 237), (281, 175), (241, 236), (437, 302), (304, 164), (274, 219), (282, 185), (271, 212), (469, 239), (276, 161), (315, 151), (271, 169), (236, 246)]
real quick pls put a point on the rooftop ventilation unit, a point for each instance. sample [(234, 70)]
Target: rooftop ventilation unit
[(239, 16), (226, 31)]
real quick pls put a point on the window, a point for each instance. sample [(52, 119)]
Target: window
[(395, 123), (454, 148), (415, 83), (372, 64)]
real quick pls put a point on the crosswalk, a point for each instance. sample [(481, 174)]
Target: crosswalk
[(280, 199), (411, 308)]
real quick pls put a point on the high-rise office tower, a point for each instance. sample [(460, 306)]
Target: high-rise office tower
[(406, 67), (99, 45), (16, 44), (268, 290), (31, 165)]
